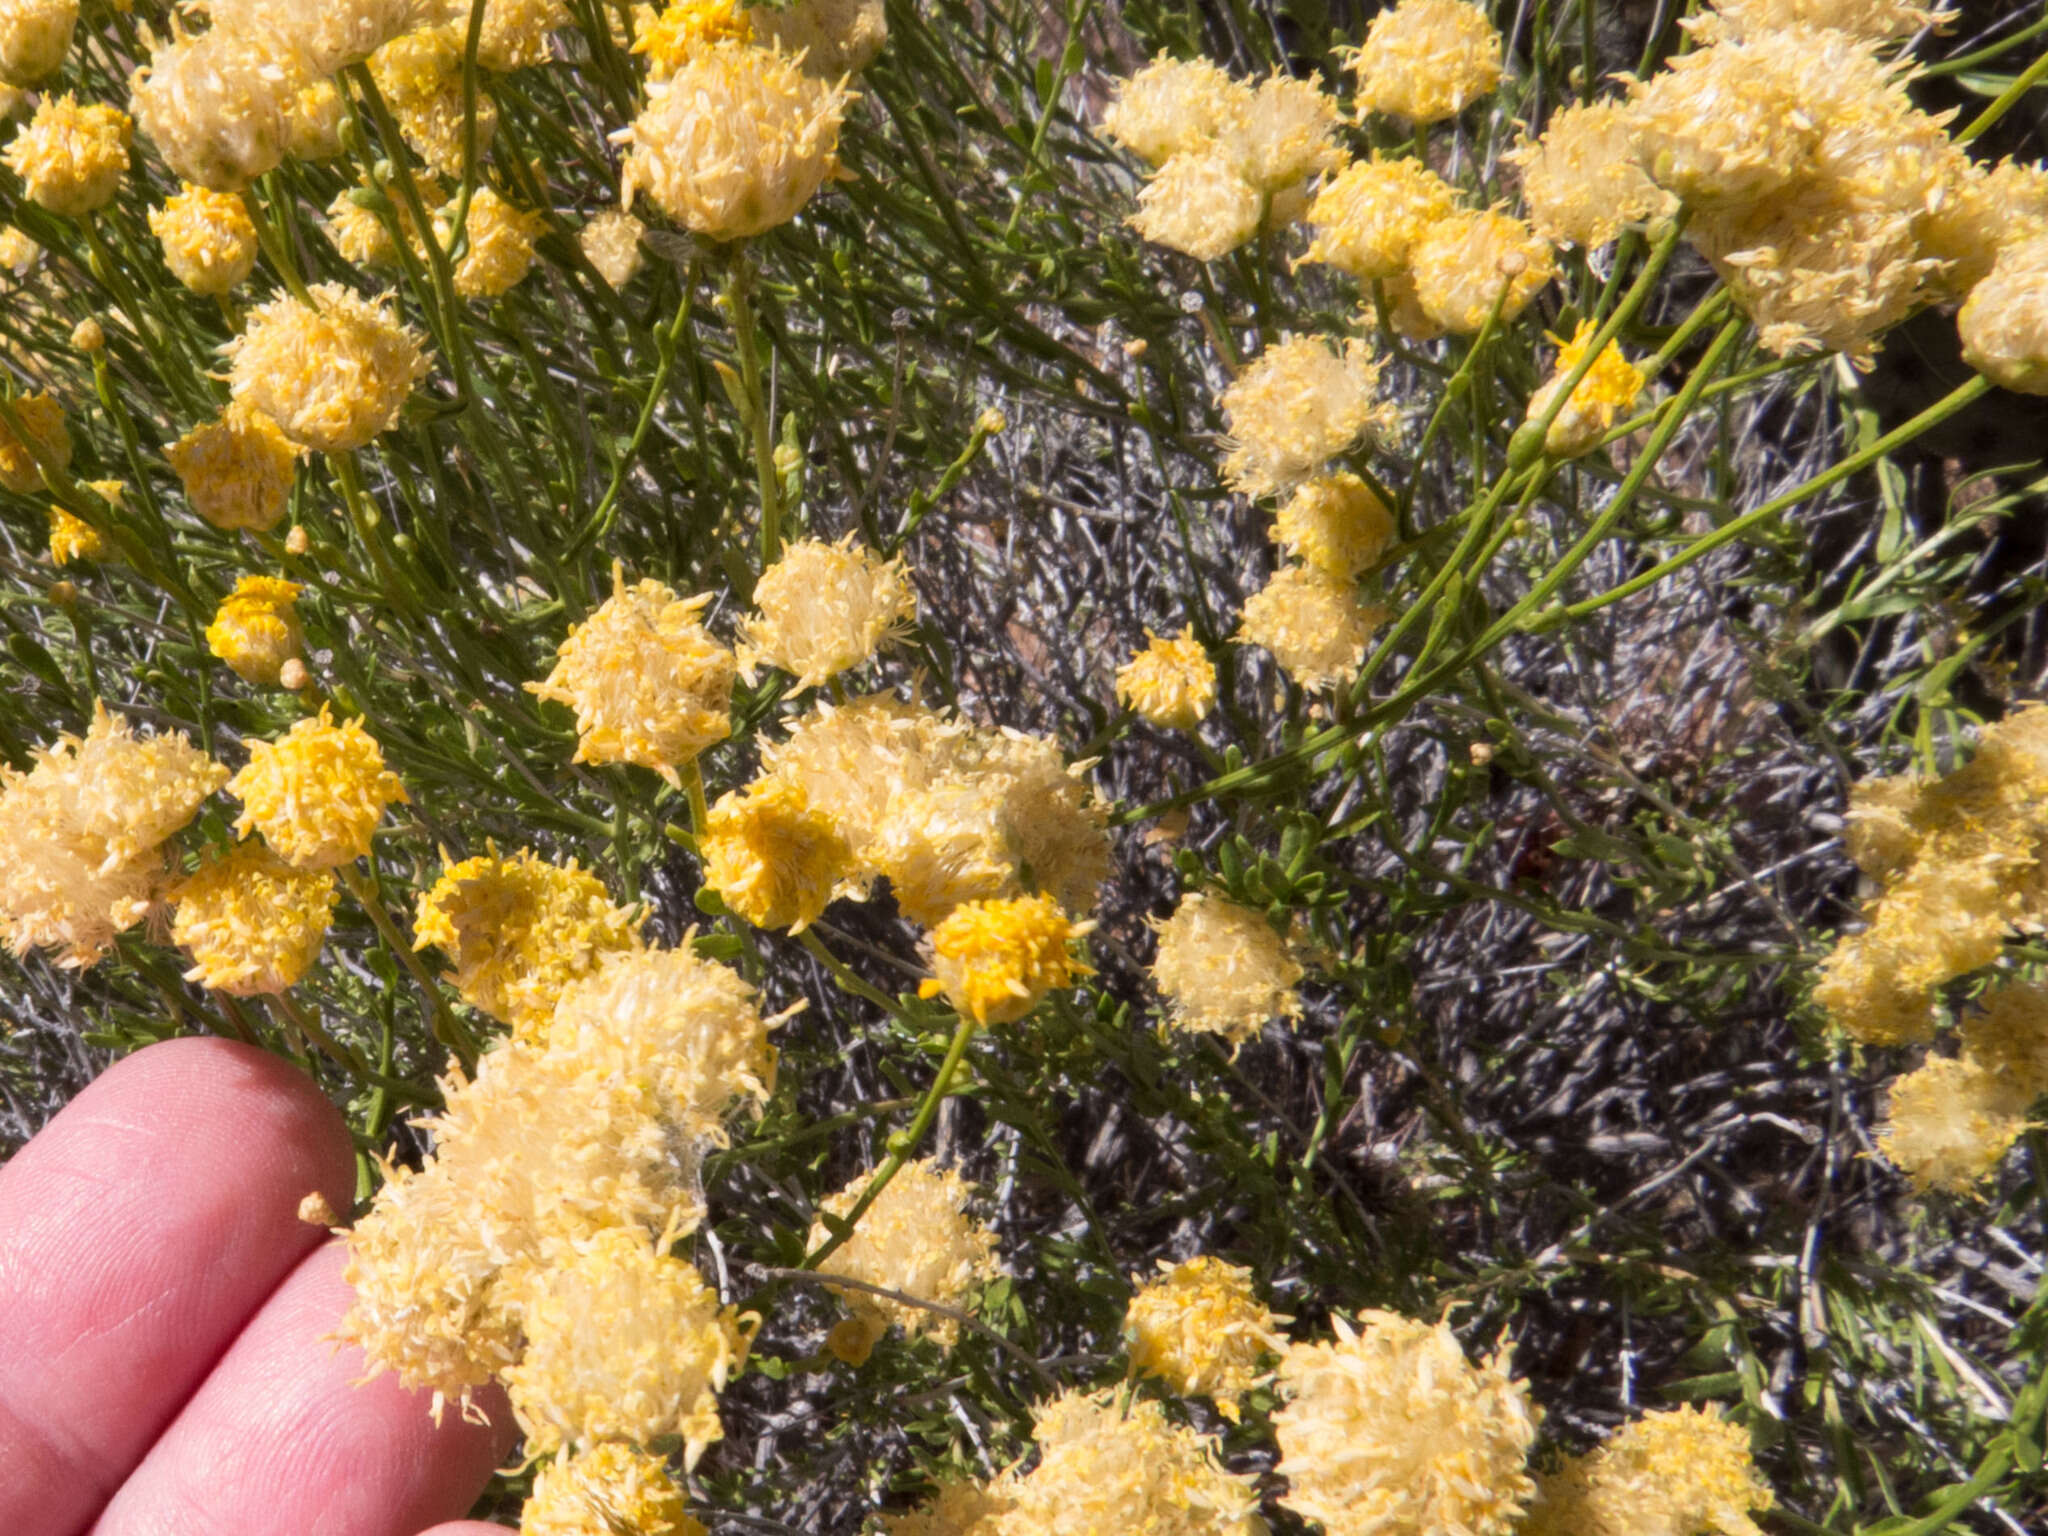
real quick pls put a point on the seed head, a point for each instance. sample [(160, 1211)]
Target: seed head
[(237, 471), (317, 792), (1426, 60), (252, 923), (70, 158), (1171, 683), (208, 238), (256, 630)]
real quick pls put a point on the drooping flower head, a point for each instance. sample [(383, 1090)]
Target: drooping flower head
[(256, 629), (251, 922), (648, 682), (772, 856), (1299, 404), (519, 930), (1335, 523), (823, 608), (1171, 683), (1390, 1431), (45, 438), (611, 241), (35, 35), (1683, 1472), (1368, 216), (317, 792), (70, 158), (1223, 970), (331, 374), (1315, 625), (219, 107), (735, 142), (995, 959), (237, 471), (617, 1489), (1426, 60), (1466, 263), (208, 238), (1582, 180), (1600, 399), (1200, 1328), (917, 1238)]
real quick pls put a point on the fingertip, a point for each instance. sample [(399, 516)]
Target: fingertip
[(467, 1528)]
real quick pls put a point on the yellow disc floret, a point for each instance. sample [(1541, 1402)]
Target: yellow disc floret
[(1597, 401), (1368, 216), (252, 923), (208, 238), (617, 1489), (995, 959), (256, 630), (771, 856), (317, 792), (1171, 683), (45, 440), (1336, 523)]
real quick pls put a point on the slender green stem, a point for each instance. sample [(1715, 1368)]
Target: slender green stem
[(746, 342), (666, 344), (2006, 99), (448, 1029), (848, 980)]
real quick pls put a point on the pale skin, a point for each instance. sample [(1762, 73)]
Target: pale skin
[(165, 1361)]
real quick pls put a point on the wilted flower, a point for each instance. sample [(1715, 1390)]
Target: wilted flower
[(648, 682), (70, 158), (618, 1489), (500, 248), (73, 538), (1467, 262), (317, 792), (35, 35), (252, 923), (995, 959), (1426, 60), (1336, 523), (1299, 404), (332, 374), (623, 1342), (1391, 1431), (823, 608), (420, 76), (835, 37), (735, 142), (1368, 216), (256, 630), (1172, 107), (1683, 1472), (1223, 970), (519, 930), (47, 439), (208, 238), (771, 856), (218, 107), (2004, 322), (917, 1238), (611, 242), (1171, 683), (237, 471), (1200, 1328), (1582, 180), (1200, 204), (1599, 399), (80, 830), (1315, 624)]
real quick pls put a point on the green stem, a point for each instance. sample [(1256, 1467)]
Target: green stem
[(666, 344), (848, 980), (448, 1029), (740, 310), (2006, 99)]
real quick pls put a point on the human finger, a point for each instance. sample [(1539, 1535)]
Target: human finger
[(139, 1232)]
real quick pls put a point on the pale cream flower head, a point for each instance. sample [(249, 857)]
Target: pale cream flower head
[(1223, 970), (1335, 523), (331, 374), (500, 250), (823, 608), (614, 1488), (1200, 1328), (218, 107), (1296, 406), (2004, 323), (1368, 216), (35, 36), (1314, 624), (48, 441), (420, 76), (611, 242), (237, 471), (1200, 204), (1174, 106), (1582, 180), (1950, 1123), (1466, 263), (1426, 60), (320, 35), (1682, 1472), (251, 922), (772, 856)]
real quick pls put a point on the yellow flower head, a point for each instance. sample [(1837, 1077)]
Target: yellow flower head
[(17, 251), (834, 37), (1223, 970), (42, 419), (1336, 523), (362, 236), (1173, 107), (1391, 1431), (618, 1489), (623, 1342), (1287, 134), (73, 538), (995, 959), (1368, 216), (313, 122), (1200, 204), (1951, 1122), (1315, 624), (1171, 683), (252, 923), (237, 471), (611, 241), (771, 856), (853, 759), (1686, 1469), (1978, 212), (1426, 60), (1601, 398), (515, 32), (687, 27), (917, 1238), (957, 1509), (500, 250), (208, 238), (1582, 180), (420, 74), (218, 107), (317, 792), (1200, 1328), (2010, 1037), (648, 682), (2004, 323), (519, 930), (332, 374), (1299, 404), (736, 142), (70, 158), (1870, 20), (257, 629), (824, 608), (322, 35), (1467, 262), (35, 35)]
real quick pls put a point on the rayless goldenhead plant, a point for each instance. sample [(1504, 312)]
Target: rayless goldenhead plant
[(1057, 766)]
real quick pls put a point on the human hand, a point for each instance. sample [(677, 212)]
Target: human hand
[(165, 1366)]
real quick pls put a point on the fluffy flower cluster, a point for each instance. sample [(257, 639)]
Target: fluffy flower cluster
[(71, 158), (251, 922), (1471, 265), (82, 832), (1582, 181), (237, 471), (735, 142), (824, 608), (918, 1238), (220, 107), (994, 960), (35, 35), (772, 856), (208, 238), (1171, 683), (499, 252), (648, 682), (1335, 523), (610, 1487), (317, 792), (1201, 1329), (1315, 625), (1600, 398), (256, 629), (331, 374), (1685, 1472), (519, 930), (1952, 1120), (1223, 970), (2004, 323), (1391, 1431), (420, 77), (1299, 404), (1426, 60), (1959, 862), (45, 439), (1368, 216)]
